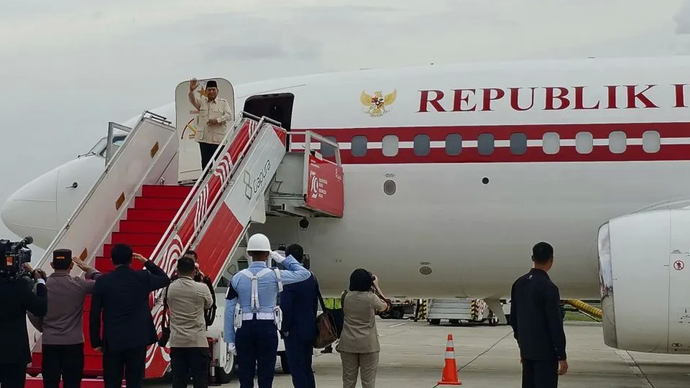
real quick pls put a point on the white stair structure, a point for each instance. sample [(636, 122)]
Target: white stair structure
[(137, 201)]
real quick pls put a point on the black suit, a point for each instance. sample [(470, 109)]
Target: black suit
[(299, 305), (535, 315), (123, 297), (16, 298)]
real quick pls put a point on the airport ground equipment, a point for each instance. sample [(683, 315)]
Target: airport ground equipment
[(585, 308), (420, 312), (458, 310), (399, 308), (138, 201)]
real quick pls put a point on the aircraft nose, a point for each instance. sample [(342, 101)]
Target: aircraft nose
[(32, 210)]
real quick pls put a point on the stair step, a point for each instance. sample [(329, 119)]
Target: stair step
[(158, 203), (144, 250), (151, 214), (132, 226), (132, 239), (105, 264), (165, 191)]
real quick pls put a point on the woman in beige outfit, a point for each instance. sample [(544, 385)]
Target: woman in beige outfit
[(359, 342)]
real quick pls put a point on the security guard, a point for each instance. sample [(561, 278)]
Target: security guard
[(251, 309), (537, 323)]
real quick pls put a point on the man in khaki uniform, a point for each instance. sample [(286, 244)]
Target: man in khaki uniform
[(187, 300), (214, 115)]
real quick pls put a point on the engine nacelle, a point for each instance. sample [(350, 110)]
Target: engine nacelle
[(645, 286)]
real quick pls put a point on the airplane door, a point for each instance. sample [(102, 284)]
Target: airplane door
[(274, 106), (187, 122), (679, 283)]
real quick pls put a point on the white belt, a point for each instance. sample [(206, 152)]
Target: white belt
[(258, 316)]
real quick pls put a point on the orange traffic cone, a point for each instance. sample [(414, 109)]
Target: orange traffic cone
[(450, 370)]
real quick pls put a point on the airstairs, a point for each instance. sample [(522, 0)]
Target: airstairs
[(137, 201)]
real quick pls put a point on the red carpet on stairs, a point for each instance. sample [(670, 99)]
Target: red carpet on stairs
[(142, 228)]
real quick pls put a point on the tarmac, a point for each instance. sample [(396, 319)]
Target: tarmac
[(412, 355)]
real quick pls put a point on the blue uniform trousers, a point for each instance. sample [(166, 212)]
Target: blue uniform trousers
[(299, 356), (257, 347)]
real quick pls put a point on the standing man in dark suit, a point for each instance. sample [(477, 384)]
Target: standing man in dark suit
[(299, 305), (123, 297), (535, 315)]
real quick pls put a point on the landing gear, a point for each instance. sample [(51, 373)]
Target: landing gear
[(497, 309)]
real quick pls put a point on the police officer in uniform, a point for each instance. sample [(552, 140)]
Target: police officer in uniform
[(537, 322), (252, 316)]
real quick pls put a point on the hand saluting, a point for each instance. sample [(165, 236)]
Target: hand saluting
[(140, 257), (193, 83)]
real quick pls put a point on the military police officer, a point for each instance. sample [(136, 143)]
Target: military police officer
[(251, 310)]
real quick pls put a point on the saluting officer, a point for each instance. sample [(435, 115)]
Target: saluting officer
[(251, 308)]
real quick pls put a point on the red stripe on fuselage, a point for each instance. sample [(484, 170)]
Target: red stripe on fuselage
[(502, 132), (567, 153)]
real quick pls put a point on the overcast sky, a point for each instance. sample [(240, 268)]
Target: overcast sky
[(70, 66)]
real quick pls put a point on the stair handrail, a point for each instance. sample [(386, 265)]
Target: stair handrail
[(94, 187), (203, 226), (48, 252), (195, 193), (308, 135), (214, 203)]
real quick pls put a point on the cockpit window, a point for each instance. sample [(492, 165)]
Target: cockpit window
[(98, 148), (117, 142)]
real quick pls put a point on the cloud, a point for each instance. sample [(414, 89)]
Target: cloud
[(682, 19)]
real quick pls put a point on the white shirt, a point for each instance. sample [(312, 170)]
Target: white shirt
[(218, 109)]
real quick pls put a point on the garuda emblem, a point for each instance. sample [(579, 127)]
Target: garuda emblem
[(378, 103)]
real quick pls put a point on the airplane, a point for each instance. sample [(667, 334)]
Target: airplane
[(453, 173)]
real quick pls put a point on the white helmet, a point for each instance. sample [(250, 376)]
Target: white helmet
[(258, 243)]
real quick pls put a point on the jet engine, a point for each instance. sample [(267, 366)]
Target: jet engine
[(645, 285)]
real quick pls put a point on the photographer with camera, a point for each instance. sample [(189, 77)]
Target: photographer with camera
[(63, 340), (18, 299), (359, 342), (198, 276), (188, 300)]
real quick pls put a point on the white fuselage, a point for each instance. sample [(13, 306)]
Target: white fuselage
[(475, 235)]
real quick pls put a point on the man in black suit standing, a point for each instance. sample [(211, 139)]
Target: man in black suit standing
[(123, 297), (535, 315), (16, 299), (299, 305)]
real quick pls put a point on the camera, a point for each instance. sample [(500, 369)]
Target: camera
[(13, 256)]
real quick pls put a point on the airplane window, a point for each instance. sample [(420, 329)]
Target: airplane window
[(390, 145), (551, 143), (485, 144), (453, 144), (328, 150), (617, 143), (651, 142), (117, 142), (584, 142), (359, 146), (518, 143), (422, 145), (99, 147)]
